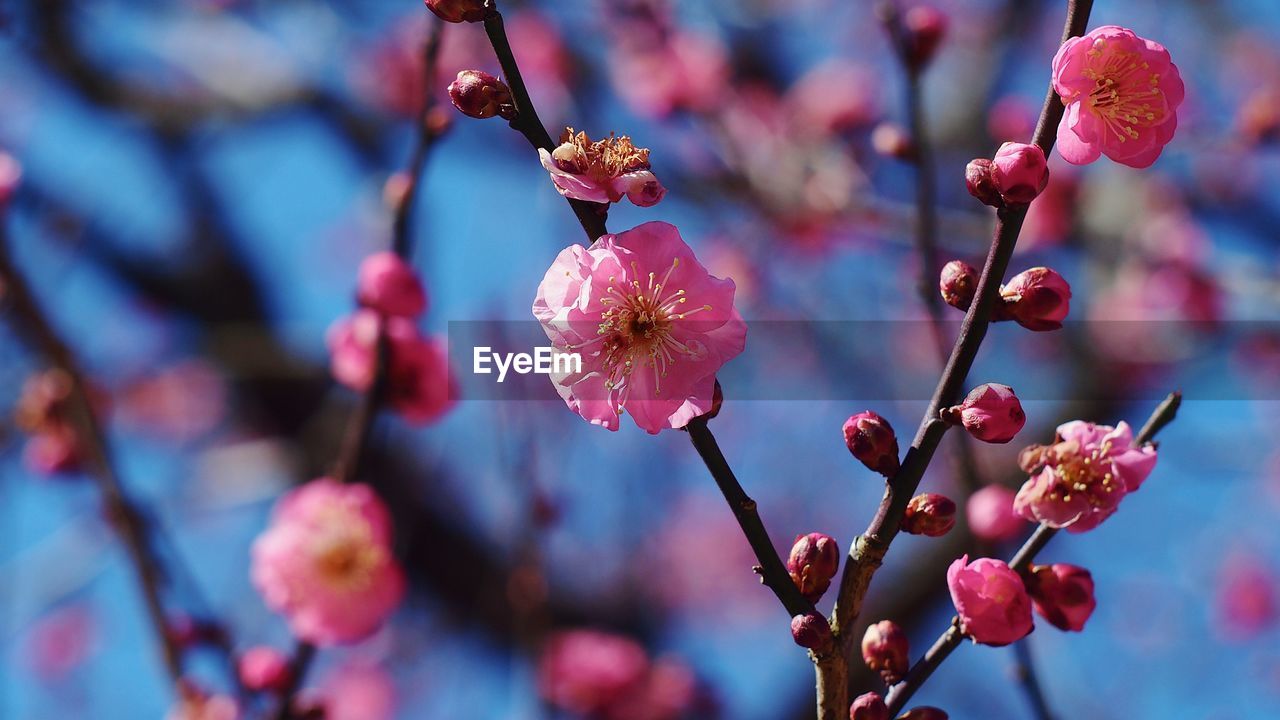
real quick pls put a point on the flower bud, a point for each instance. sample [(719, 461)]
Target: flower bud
[(893, 141), (885, 650), (1038, 299), (388, 284), (456, 11), (978, 179), (923, 712), (478, 94), (870, 438), (869, 706), (923, 29), (958, 283), (813, 562), (1062, 594), (810, 630), (991, 515), (10, 175), (929, 514), (263, 668), (1020, 172), (991, 413)]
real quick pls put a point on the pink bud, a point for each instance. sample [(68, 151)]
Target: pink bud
[(980, 183), (870, 438), (885, 650), (990, 413), (990, 599), (810, 630), (480, 95), (924, 28), (869, 706), (991, 515), (456, 11), (892, 141), (388, 284), (929, 514), (1063, 595), (813, 562), (642, 188), (958, 283), (263, 668), (1020, 172), (923, 712), (10, 176), (1038, 299)]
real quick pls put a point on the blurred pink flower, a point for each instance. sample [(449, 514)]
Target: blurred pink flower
[(10, 176), (1248, 597), (1052, 216), (990, 599), (263, 668), (1122, 93), (833, 97), (325, 562), (991, 515), (180, 402), (1012, 116), (420, 386), (602, 171), (687, 72), (651, 324), (359, 692), (198, 705), (389, 285), (1078, 482), (1063, 595), (588, 672), (60, 641)]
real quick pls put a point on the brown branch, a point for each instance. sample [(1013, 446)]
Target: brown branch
[(1021, 561), (128, 522), (1027, 677), (869, 549)]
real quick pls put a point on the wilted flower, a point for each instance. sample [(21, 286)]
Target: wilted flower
[(602, 171), (990, 599), (651, 325), (1121, 92), (1078, 482), (813, 562), (1063, 594), (885, 650)]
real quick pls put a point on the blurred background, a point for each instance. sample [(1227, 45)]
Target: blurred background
[(201, 177)]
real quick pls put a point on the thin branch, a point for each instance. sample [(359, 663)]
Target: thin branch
[(951, 639), (1028, 679)]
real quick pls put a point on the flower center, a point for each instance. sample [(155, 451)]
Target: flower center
[(1087, 473), (1124, 91), (346, 557), (599, 159)]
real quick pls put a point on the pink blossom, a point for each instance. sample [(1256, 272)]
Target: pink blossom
[(588, 672), (1038, 299), (651, 325), (456, 11), (194, 704), (869, 706), (325, 562), (389, 285), (10, 176), (835, 96), (61, 641), (929, 514), (813, 562), (1121, 94), (991, 515), (1020, 172), (923, 27), (991, 413), (1078, 482), (359, 692), (885, 650), (990, 599), (1247, 597), (957, 283), (419, 385), (602, 171), (1063, 595), (870, 439), (682, 72), (263, 668)]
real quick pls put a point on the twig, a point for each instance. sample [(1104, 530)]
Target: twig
[(951, 639), (128, 522), (1030, 681), (869, 549)]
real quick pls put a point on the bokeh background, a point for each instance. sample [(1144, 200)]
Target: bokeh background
[(201, 177)]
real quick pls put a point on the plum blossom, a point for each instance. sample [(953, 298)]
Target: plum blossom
[(680, 71), (885, 650), (195, 704), (651, 325), (602, 171), (263, 668), (1121, 93), (991, 515), (991, 413), (389, 285), (325, 562), (1078, 481), (990, 599), (1063, 594), (419, 385), (602, 676)]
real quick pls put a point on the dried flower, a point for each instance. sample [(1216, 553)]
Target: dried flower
[(602, 171)]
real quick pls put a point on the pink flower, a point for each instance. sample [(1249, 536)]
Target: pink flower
[(387, 284), (923, 29), (1121, 94), (651, 325), (263, 668), (813, 562), (587, 672), (1063, 595), (419, 385), (885, 650), (456, 11), (602, 171), (195, 704), (929, 514), (870, 439), (869, 706), (359, 692), (991, 515), (683, 71), (957, 283), (1248, 597), (990, 599), (480, 95), (325, 562), (990, 413), (10, 176), (1020, 172), (1078, 482), (835, 96), (1038, 299)]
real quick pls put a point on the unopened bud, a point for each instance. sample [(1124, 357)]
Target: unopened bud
[(991, 413), (871, 439), (893, 141), (813, 562), (1062, 594), (923, 713), (1037, 299), (1020, 172), (478, 94), (958, 283), (810, 630), (924, 28), (929, 514), (978, 179), (885, 650), (869, 707), (263, 668), (456, 11), (388, 284)]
